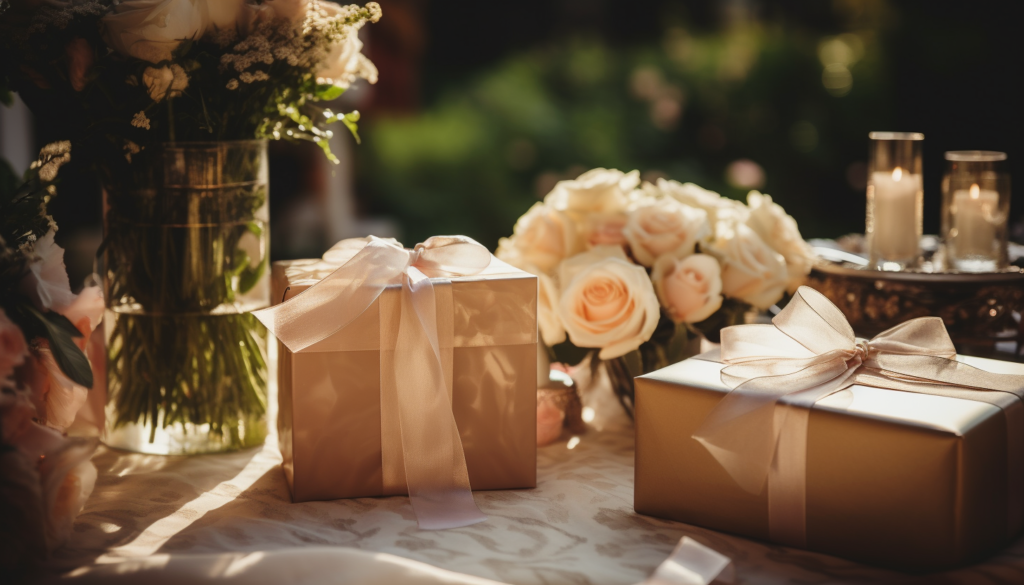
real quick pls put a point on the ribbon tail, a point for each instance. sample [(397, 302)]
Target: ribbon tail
[(435, 464), (692, 563), (743, 429), (942, 370)]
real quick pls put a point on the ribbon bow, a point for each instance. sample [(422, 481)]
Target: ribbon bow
[(807, 353), (412, 375)]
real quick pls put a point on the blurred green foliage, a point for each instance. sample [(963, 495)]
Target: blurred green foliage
[(685, 105)]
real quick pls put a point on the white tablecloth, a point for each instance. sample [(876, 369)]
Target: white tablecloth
[(577, 527)]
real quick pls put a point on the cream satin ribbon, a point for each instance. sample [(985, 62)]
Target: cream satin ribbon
[(777, 372), (413, 375)]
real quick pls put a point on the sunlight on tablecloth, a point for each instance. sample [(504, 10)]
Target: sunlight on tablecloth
[(577, 527)]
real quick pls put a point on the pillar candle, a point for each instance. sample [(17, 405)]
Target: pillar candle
[(895, 214), (974, 217)]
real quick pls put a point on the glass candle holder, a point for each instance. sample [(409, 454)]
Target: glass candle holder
[(895, 200), (975, 208)]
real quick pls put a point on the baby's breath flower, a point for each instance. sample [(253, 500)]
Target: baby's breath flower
[(232, 84), (140, 121), (130, 148), (249, 77), (58, 148)]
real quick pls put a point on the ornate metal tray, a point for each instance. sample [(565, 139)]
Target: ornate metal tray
[(982, 311)]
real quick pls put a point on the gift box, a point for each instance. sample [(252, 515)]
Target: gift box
[(341, 436), (889, 465)]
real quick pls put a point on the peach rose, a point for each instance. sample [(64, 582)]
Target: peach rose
[(663, 226), (607, 302), (606, 229), (690, 289), (51, 476), (61, 398), (751, 271), (542, 238), (779, 230)]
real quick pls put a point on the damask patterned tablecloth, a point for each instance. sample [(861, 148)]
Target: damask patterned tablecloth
[(576, 527)]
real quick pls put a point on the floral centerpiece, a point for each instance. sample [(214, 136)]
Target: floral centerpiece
[(172, 102), (45, 375), (634, 273)]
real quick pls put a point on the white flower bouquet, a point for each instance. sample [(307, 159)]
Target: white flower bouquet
[(634, 272), (172, 102), (123, 75)]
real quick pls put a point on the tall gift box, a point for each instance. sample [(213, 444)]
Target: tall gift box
[(341, 436), (883, 466)]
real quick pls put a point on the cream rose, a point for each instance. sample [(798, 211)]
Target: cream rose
[(596, 191), (165, 81), (225, 14), (779, 230), (152, 29), (752, 272), (607, 302), (664, 226), (291, 10), (542, 237), (346, 63), (690, 289), (551, 330), (717, 207)]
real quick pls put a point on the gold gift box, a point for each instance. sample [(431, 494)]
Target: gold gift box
[(331, 432), (909, 481)]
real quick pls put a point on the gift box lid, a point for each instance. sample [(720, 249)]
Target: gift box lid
[(942, 413), (497, 306)]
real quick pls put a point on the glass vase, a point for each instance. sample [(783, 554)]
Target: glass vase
[(975, 209), (186, 259), (895, 197)]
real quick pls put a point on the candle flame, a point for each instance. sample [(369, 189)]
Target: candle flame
[(975, 191), (897, 174)]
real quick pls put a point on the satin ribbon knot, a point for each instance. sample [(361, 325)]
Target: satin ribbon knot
[(777, 372), (412, 368)]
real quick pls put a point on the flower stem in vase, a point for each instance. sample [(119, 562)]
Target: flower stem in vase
[(186, 252)]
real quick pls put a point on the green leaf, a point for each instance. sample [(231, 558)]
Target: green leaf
[(328, 92), (352, 127), (57, 329), (250, 277), (63, 323)]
